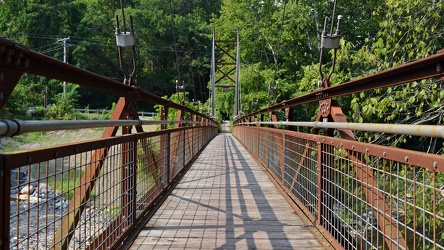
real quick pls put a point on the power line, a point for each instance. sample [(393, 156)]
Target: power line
[(74, 40)]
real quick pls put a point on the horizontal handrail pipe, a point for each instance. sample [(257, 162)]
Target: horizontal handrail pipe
[(14, 127), (435, 131)]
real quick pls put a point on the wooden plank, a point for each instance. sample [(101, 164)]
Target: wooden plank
[(225, 201)]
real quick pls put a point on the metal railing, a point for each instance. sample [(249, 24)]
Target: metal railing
[(359, 195), (365, 196), (90, 194)]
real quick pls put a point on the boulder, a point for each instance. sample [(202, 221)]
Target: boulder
[(29, 189), (18, 177)]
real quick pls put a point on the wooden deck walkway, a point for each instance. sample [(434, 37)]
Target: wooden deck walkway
[(225, 201)]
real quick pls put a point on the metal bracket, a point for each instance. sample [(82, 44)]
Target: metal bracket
[(126, 39), (287, 112), (324, 107), (329, 41)]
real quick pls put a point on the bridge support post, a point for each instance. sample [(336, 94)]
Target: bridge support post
[(12, 68), (128, 186), (330, 111), (5, 178), (176, 147), (165, 148), (10, 73), (82, 193)]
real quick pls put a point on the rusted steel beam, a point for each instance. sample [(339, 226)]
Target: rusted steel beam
[(273, 118), (282, 158), (165, 148), (174, 145), (226, 63), (82, 193), (225, 86), (10, 54), (129, 163), (8, 80), (429, 67), (153, 166), (225, 74), (225, 52), (5, 178), (39, 64), (125, 185), (225, 41), (301, 163), (338, 116), (365, 175), (78, 203), (188, 143), (381, 210)]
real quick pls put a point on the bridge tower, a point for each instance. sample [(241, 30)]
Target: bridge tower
[(226, 64)]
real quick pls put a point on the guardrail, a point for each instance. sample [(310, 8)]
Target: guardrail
[(90, 195), (360, 195)]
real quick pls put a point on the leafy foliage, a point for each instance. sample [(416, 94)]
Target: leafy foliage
[(90, 26), (279, 43)]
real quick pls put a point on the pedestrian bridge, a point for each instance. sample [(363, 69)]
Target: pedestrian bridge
[(272, 183)]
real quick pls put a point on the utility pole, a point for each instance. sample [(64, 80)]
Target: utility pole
[(65, 60)]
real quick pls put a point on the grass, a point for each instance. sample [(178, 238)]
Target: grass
[(43, 139), (66, 184)]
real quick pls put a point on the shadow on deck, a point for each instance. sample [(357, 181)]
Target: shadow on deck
[(225, 201)]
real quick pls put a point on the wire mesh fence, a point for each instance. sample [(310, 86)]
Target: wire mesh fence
[(89, 195), (362, 196)]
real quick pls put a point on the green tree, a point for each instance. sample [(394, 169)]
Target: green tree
[(408, 32)]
